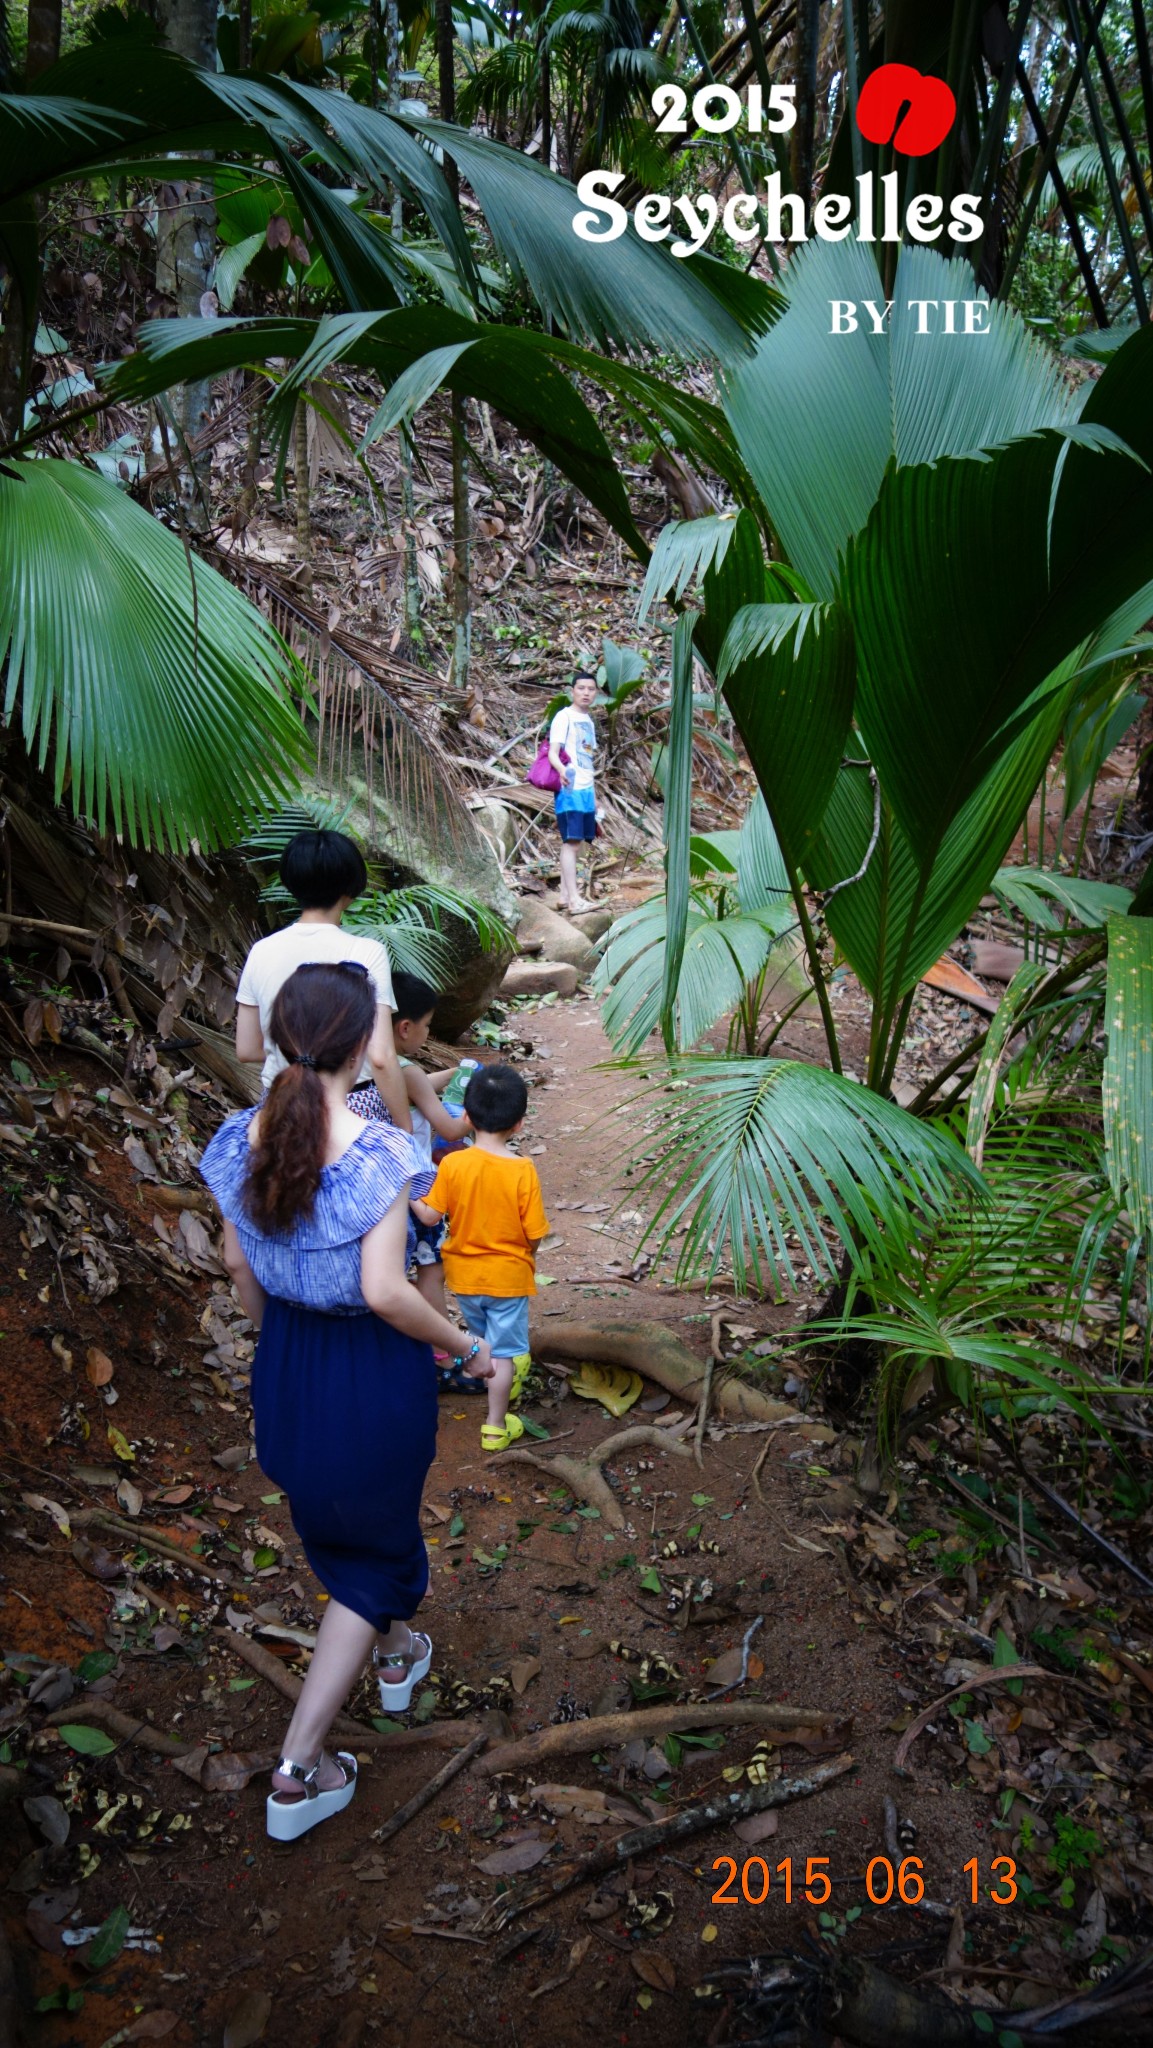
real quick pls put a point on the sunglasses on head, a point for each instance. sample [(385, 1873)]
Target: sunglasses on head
[(355, 967)]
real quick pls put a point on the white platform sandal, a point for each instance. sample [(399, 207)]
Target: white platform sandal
[(288, 1819), (417, 1662)]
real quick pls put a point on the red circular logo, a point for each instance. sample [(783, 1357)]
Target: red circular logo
[(898, 104)]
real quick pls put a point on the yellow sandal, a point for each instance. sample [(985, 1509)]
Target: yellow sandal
[(521, 1368), (497, 1436)]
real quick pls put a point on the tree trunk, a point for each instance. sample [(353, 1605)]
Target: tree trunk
[(19, 324), (461, 539), (43, 36), (545, 99), (805, 40), (461, 547), (303, 496), (186, 247), (411, 580)]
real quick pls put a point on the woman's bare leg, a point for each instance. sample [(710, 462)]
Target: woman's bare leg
[(343, 1646)]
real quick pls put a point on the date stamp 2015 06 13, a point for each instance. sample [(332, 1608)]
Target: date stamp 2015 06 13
[(751, 1881)]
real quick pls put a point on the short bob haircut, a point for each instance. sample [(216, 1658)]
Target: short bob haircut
[(495, 1099), (319, 867)]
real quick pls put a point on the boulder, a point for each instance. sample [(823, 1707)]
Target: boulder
[(475, 980), (559, 939), (539, 978), (498, 825), (593, 923)]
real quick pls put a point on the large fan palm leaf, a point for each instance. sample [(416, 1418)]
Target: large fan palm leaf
[(159, 693)]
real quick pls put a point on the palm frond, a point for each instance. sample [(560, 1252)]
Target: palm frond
[(642, 300), (770, 1164), (162, 695), (1128, 1086), (723, 954), (1048, 899), (820, 416)]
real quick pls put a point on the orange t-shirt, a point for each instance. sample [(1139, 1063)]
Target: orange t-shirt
[(494, 1206)]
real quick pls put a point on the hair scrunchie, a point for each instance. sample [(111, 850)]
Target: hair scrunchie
[(302, 1059)]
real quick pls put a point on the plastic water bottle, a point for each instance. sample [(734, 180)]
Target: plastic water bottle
[(453, 1094)]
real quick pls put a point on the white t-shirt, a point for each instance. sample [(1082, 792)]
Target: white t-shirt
[(575, 732), (273, 959), (421, 1128)]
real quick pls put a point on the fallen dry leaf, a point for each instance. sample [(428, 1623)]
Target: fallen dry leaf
[(40, 1505), (98, 1366), (129, 1497), (510, 1862), (192, 1764), (757, 1828), (248, 2021), (230, 1770), (95, 1560), (591, 1806), (655, 1970), (175, 1496), (152, 2026), (232, 1459), (523, 1671)]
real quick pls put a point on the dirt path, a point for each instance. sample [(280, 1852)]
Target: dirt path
[(351, 1943)]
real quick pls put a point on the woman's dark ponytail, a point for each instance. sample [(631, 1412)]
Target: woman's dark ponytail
[(319, 1019)]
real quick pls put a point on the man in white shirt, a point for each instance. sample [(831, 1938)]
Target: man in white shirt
[(325, 871), (573, 733)]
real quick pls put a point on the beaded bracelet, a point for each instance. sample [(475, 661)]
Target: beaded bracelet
[(468, 1355)]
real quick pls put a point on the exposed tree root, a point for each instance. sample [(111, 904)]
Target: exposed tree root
[(584, 1475), (793, 1997), (602, 1731), (694, 1820), (129, 1727), (648, 1348)]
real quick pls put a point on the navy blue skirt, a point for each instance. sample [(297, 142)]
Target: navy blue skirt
[(345, 1411)]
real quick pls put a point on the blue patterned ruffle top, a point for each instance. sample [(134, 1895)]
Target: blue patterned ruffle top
[(316, 1264)]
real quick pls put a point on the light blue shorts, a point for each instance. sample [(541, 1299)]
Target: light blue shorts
[(501, 1319)]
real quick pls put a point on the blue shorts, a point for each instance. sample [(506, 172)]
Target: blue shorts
[(501, 1319), (577, 825)]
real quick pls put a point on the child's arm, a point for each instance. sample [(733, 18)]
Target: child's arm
[(441, 1080), (423, 1096), (424, 1214), (533, 1220)]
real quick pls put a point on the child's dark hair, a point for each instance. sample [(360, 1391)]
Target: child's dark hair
[(322, 1014), (412, 997), (495, 1099), (320, 867)]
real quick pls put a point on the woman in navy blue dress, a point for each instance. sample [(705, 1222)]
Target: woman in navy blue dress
[(315, 1203)]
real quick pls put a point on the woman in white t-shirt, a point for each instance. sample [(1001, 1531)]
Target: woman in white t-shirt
[(573, 733), (325, 871)]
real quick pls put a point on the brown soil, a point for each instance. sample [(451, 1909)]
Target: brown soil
[(345, 1958)]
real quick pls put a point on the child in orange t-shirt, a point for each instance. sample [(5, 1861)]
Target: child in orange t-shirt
[(496, 1220)]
